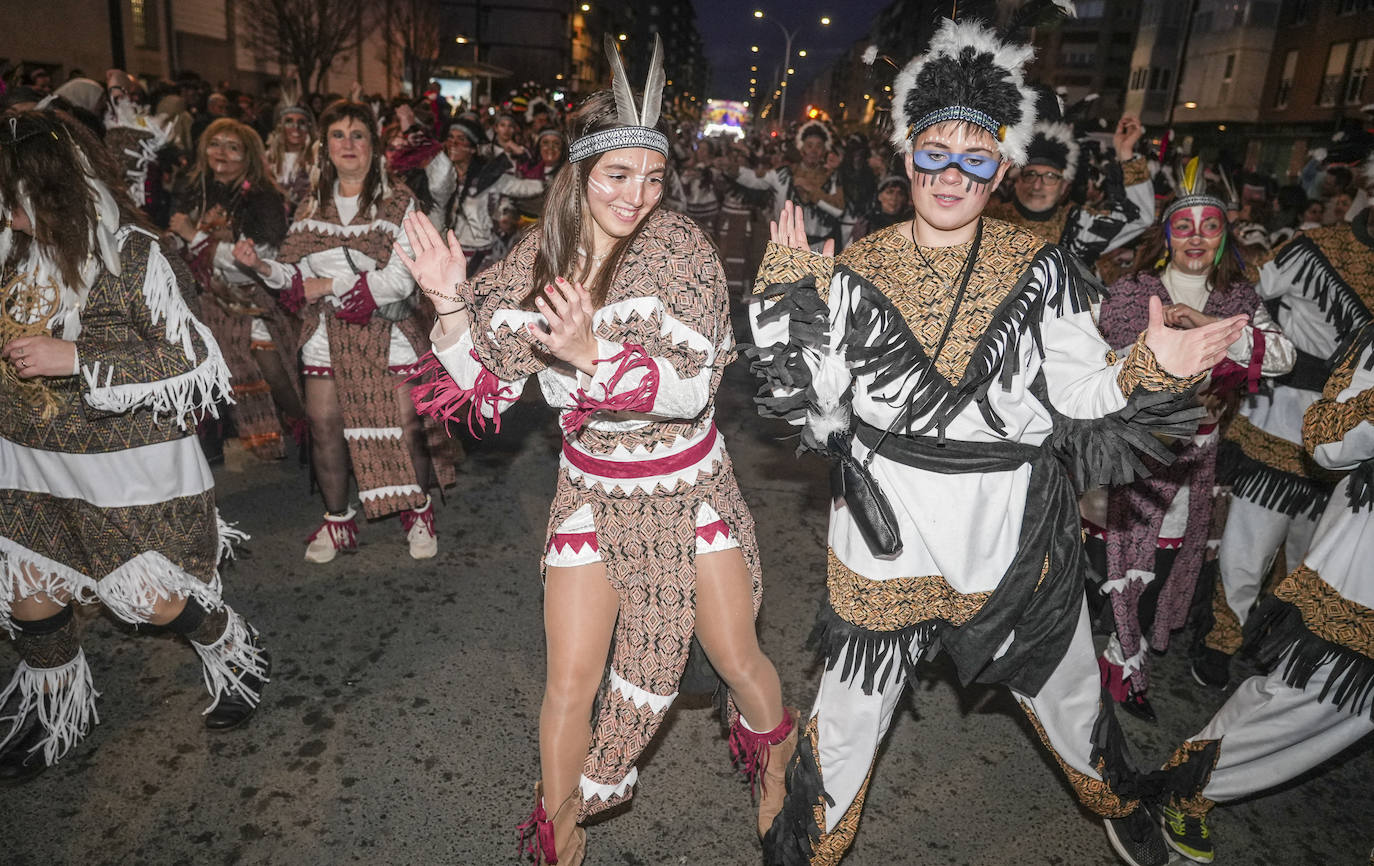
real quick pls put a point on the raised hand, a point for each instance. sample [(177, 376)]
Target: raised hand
[(439, 267), (790, 230), (1187, 353), (1128, 132), (567, 307)]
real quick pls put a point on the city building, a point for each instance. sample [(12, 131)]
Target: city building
[(1090, 54), (160, 38), (1317, 80)]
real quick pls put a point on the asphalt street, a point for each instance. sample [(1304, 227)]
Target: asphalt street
[(400, 724)]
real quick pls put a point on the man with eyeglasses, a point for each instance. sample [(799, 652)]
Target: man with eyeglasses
[(1041, 203)]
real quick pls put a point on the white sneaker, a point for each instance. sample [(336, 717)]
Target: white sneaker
[(419, 526), (337, 533)]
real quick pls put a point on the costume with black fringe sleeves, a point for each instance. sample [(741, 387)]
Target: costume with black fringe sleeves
[(106, 496), (1320, 288), (1127, 209), (965, 398), (1317, 630), (991, 563)]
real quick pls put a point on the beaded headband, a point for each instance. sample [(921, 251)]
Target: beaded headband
[(958, 112), (1189, 201), (636, 127)]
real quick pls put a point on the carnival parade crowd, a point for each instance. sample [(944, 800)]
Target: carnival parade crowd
[(1085, 402)]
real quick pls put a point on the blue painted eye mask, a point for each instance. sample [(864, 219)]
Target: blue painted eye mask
[(977, 166)]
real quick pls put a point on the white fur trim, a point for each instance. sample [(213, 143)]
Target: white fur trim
[(69, 710), (591, 789), (830, 414), (949, 41), (870, 55), (1063, 134), (640, 697)]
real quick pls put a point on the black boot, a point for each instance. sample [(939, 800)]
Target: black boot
[(22, 757), (234, 707)]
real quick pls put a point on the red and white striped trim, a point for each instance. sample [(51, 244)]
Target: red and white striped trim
[(685, 461)]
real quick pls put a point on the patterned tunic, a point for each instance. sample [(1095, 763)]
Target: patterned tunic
[(111, 496), (644, 482)]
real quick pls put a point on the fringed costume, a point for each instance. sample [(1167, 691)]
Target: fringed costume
[(1087, 231), (1153, 535), (644, 482), (1322, 286), (1317, 630), (105, 495), (969, 448), (822, 202), (365, 335), (965, 398), (238, 309)]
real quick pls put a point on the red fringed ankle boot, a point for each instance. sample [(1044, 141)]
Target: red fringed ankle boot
[(763, 760)]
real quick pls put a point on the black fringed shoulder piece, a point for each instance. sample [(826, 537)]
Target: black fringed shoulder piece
[(782, 365), (1318, 280), (880, 343)]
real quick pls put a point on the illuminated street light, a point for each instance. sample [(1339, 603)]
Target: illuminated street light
[(586, 7), (791, 71), (753, 81), (754, 48), (758, 13), (1190, 105), (462, 40), (622, 37), (825, 21), (801, 53)]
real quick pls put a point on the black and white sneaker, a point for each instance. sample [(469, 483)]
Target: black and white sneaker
[(1137, 838), (1188, 835)]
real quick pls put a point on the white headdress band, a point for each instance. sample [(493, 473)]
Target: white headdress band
[(636, 125)]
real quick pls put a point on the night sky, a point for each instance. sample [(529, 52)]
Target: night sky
[(728, 28)]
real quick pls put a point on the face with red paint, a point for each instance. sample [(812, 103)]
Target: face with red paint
[(947, 199), (1196, 235), (623, 188)]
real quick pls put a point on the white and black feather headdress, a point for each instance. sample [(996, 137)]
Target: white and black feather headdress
[(970, 74), (815, 127), (637, 125), (1053, 144)]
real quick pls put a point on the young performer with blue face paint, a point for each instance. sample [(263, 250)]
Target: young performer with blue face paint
[(950, 367)]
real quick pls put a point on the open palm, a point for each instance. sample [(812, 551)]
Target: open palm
[(438, 266)]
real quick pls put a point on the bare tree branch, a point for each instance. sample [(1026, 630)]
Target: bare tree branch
[(306, 34), (410, 35)]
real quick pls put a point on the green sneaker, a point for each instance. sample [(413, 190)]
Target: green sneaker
[(1187, 835)]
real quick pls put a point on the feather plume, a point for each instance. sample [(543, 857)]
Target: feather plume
[(620, 85), (870, 55), (653, 86), (1191, 177)]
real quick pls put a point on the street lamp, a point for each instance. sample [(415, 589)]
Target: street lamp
[(801, 53), (788, 36), (586, 7)]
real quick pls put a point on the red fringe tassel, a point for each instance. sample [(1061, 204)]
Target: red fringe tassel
[(639, 399)]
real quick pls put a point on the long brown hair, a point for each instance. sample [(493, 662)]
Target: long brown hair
[(1150, 252), (43, 150), (255, 169), (561, 229), (375, 187)]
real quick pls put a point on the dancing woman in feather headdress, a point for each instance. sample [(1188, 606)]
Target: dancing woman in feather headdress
[(619, 307)]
